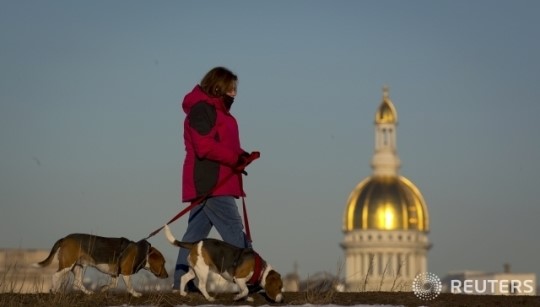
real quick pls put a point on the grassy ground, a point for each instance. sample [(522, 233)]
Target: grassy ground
[(77, 299)]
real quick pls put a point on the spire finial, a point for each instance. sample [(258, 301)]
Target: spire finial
[(385, 91)]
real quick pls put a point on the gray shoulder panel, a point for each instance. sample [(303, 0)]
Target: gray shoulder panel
[(202, 117)]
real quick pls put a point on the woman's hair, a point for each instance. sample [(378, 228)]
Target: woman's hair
[(218, 81)]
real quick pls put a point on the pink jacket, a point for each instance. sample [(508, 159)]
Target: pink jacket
[(212, 145)]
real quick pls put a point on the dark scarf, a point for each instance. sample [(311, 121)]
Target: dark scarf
[(228, 101)]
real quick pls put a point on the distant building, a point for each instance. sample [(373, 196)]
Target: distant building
[(19, 276), (291, 281), (386, 219)]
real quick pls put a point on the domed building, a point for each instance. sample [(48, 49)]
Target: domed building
[(386, 219)]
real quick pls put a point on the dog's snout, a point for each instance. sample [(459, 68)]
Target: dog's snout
[(162, 273)]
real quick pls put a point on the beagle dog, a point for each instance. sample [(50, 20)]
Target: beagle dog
[(112, 256), (242, 266)]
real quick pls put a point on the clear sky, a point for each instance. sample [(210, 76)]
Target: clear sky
[(91, 125)]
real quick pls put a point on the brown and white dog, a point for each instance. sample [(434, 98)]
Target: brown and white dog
[(242, 266), (113, 256)]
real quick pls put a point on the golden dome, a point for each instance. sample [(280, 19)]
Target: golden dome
[(386, 203), (386, 113)]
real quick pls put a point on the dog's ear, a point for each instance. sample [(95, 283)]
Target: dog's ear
[(273, 284), (156, 263)]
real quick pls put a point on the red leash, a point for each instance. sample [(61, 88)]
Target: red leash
[(246, 220), (253, 156)]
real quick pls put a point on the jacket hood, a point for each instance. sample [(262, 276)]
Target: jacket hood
[(197, 95)]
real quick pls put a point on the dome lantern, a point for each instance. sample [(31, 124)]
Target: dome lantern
[(386, 113)]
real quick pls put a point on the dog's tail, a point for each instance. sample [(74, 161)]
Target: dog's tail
[(49, 259), (173, 240)]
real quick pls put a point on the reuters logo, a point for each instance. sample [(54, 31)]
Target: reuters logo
[(426, 286)]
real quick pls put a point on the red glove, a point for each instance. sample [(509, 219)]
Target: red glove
[(244, 160)]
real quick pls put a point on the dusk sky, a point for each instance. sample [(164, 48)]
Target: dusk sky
[(91, 124)]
